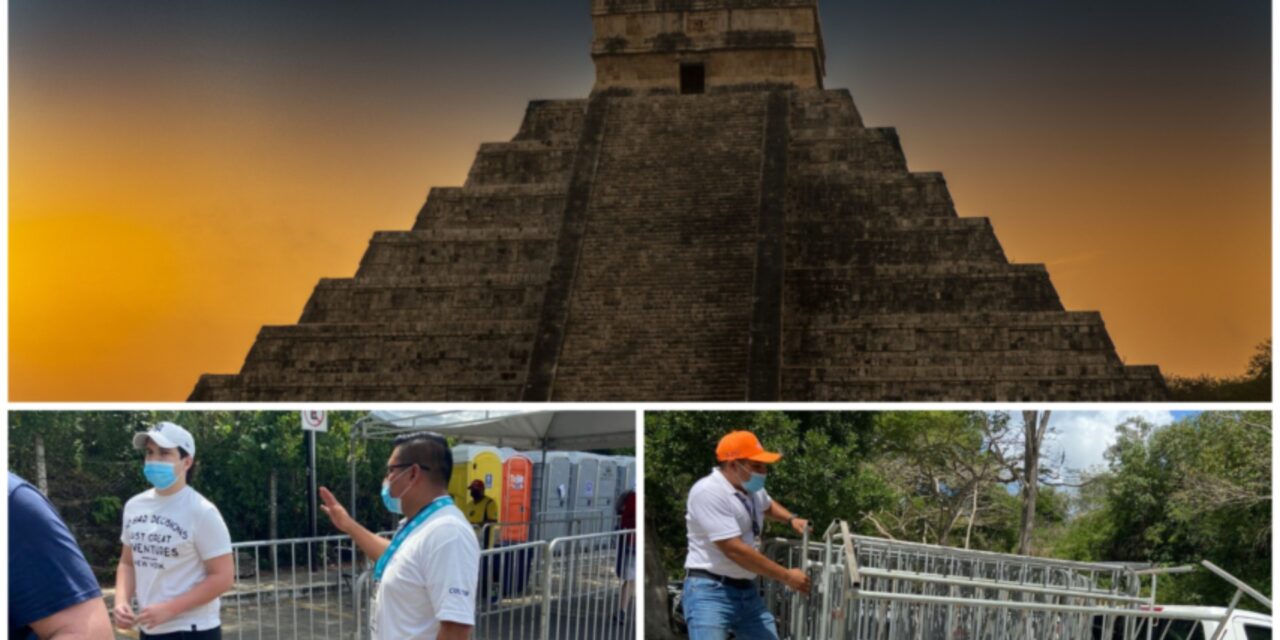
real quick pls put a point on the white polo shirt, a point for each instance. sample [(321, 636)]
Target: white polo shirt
[(171, 538), (431, 578), (717, 511)]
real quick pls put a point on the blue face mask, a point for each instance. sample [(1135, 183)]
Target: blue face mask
[(392, 504), (161, 475), (756, 482)]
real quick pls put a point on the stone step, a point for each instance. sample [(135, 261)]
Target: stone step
[(558, 122), (818, 110), (1024, 366), (353, 301), (1020, 338), (465, 353), (803, 385), (521, 162), (856, 150), (486, 209), (403, 255), (358, 387), (462, 234), (856, 291), (891, 241), (915, 321), (899, 195)]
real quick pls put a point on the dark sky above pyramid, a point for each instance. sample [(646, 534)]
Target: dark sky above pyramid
[(1100, 136)]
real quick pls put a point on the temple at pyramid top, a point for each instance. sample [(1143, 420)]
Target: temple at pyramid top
[(694, 46)]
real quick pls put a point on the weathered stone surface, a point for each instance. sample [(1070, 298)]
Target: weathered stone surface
[(758, 243), (640, 44)]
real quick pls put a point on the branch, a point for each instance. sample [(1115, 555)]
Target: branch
[(879, 527), (1064, 483)]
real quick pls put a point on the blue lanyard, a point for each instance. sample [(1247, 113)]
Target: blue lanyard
[(748, 502), (398, 539)]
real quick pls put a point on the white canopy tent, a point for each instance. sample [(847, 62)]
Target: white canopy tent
[(550, 430), (544, 430)]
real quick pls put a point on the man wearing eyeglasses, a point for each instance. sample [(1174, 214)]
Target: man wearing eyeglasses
[(425, 576), (725, 515)]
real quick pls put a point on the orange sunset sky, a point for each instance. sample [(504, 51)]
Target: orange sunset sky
[(182, 173)]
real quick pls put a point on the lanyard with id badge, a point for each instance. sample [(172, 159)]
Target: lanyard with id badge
[(385, 559), (749, 503)]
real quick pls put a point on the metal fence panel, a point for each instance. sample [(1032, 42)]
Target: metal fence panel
[(872, 588), (576, 588), (296, 588)]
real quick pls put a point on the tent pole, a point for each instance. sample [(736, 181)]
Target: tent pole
[(358, 427), (544, 482)]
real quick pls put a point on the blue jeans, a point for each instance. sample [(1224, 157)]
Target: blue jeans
[(712, 610)]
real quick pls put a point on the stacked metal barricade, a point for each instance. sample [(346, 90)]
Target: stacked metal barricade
[(868, 588)]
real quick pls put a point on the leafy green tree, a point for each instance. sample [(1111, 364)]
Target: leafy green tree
[(92, 469), (942, 466), (821, 477), (1197, 489)]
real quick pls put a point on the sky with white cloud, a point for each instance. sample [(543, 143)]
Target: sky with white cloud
[(1082, 437)]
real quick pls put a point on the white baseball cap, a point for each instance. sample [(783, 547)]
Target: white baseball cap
[(166, 435)]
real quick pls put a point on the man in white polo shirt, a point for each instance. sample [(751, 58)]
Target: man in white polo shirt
[(725, 516), (425, 577)]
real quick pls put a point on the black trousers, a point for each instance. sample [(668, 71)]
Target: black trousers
[(208, 634)]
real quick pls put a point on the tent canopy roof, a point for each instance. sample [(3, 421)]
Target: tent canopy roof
[(560, 430)]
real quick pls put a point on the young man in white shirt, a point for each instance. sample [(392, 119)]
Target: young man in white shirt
[(725, 517), (426, 576), (176, 557)]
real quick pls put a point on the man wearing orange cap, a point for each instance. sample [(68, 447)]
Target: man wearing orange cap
[(725, 517)]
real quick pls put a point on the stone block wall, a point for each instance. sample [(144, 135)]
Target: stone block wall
[(752, 245), (445, 311), (890, 296), (639, 46), (663, 293)]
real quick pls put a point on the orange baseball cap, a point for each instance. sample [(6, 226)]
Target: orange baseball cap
[(743, 445)]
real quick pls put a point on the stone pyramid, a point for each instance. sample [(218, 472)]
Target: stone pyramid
[(711, 224)]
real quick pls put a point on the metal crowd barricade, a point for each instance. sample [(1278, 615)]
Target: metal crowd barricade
[(567, 589), (872, 588), (295, 588), (585, 587)]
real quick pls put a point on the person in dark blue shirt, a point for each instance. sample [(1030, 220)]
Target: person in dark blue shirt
[(53, 594)]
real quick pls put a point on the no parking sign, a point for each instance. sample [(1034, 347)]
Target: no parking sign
[(315, 421)]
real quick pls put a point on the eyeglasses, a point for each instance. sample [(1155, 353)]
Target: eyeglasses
[(392, 467)]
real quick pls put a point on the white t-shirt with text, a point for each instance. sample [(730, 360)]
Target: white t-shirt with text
[(431, 578), (171, 538), (717, 511)]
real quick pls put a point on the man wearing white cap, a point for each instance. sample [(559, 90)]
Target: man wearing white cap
[(177, 550)]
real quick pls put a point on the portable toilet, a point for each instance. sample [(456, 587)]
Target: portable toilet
[(473, 462), (626, 476), (582, 492), (607, 484), (552, 477), (514, 569), (627, 469), (517, 490)]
